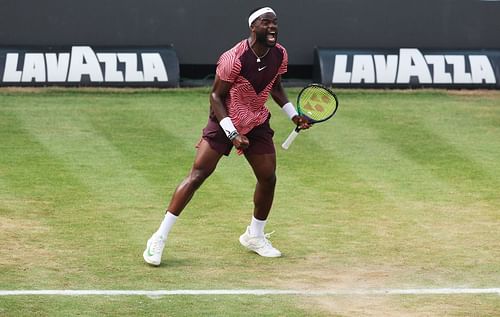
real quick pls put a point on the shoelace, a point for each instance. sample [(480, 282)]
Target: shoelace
[(266, 241), (268, 235), (156, 245)]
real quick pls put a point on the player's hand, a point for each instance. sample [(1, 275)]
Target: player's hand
[(241, 142), (301, 122)]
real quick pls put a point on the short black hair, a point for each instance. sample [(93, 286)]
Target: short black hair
[(255, 10)]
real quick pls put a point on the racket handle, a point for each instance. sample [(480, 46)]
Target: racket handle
[(290, 138)]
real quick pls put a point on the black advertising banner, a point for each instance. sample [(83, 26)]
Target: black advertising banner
[(407, 68), (89, 66)]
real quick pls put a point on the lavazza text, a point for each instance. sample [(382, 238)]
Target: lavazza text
[(411, 63), (83, 61)]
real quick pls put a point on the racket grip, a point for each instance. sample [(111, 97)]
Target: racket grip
[(290, 139)]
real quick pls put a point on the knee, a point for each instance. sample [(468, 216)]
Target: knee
[(268, 180), (197, 177)]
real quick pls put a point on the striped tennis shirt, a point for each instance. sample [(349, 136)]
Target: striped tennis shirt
[(252, 81)]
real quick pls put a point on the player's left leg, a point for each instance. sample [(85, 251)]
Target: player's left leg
[(264, 168)]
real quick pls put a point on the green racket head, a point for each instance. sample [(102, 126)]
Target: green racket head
[(317, 103)]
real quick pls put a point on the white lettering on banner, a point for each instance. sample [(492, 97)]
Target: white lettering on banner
[(111, 74), (34, 67), (131, 72), (439, 69), (459, 74), (153, 67), (340, 73), (481, 69), (411, 65), (57, 68), (386, 69), (363, 69), (11, 74), (83, 61)]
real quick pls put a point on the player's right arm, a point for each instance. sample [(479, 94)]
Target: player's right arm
[(220, 91)]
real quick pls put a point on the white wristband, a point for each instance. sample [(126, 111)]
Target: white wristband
[(228, 127), (289, 109)]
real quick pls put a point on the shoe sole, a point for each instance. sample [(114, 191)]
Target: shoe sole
[(146, 259)]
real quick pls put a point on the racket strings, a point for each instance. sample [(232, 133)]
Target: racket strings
[(317, 103)]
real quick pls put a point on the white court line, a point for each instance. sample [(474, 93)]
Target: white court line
[(153, 293)]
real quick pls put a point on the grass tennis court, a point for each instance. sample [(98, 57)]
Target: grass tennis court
[(399, 191)]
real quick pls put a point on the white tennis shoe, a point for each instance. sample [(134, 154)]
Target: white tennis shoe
[(260, 245), (154, 250)]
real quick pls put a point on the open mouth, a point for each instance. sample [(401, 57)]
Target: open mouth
[(271, 37)]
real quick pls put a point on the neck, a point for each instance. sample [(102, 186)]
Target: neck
[(258, 48)]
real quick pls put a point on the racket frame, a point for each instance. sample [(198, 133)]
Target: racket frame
[(312, 121), (291, 137)]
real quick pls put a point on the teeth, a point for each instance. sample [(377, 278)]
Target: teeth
[(271, 37)]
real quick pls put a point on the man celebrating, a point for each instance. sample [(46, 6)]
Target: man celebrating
[(246, 75)]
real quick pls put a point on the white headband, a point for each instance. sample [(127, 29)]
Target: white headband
[(258, 13)]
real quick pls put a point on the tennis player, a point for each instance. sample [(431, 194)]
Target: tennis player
[(245, 76)]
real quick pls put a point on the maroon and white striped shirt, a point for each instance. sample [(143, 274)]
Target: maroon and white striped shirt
[(252, 82)]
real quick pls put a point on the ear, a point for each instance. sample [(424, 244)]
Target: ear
[(254, 24)]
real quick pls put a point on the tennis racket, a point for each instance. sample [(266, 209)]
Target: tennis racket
[(315, 102)]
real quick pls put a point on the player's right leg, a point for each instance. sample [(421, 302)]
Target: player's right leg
[(204, 164)]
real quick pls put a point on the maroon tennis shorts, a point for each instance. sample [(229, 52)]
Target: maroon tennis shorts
[(260, 137)]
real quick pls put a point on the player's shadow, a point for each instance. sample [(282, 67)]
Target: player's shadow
[(171, 262)]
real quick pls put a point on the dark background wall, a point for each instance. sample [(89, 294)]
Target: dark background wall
[(201, 30)]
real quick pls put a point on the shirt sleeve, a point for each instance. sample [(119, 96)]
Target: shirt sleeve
[(284, 63), (228, 67)]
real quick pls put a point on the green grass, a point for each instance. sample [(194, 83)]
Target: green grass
[(399, 190)]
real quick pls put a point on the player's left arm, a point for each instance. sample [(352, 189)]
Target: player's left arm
[(280, 97), (278, 93)]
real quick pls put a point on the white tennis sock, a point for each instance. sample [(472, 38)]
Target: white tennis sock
[(257, 227), (166, 224)]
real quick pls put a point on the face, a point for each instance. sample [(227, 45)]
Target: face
[(266, 29)]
